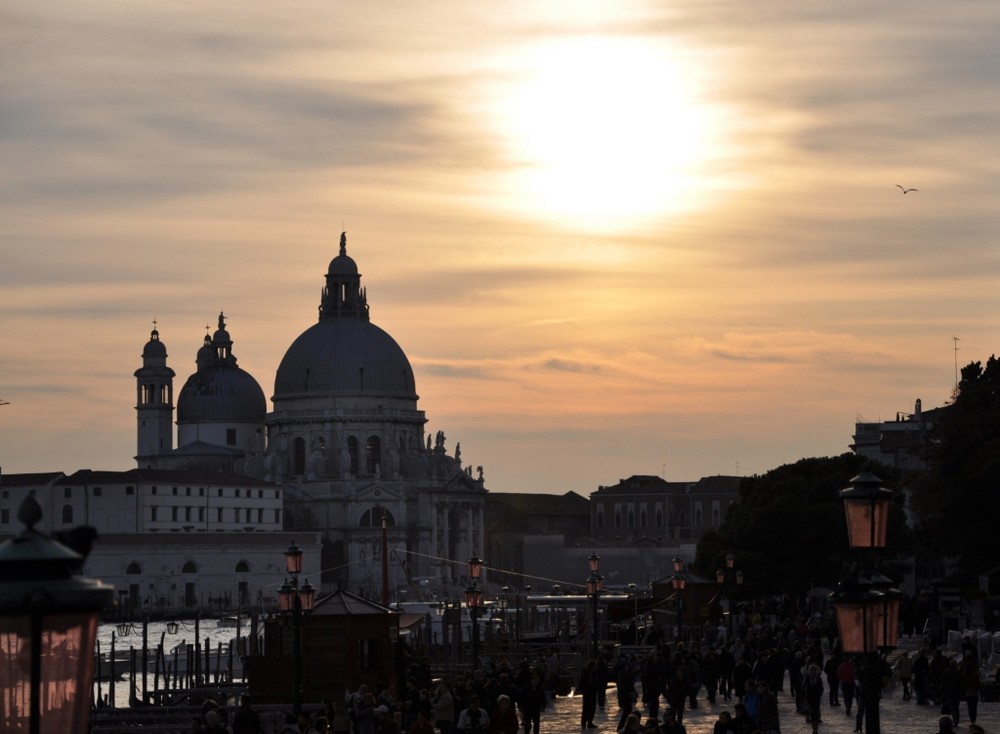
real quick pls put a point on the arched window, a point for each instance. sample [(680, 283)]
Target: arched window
[(134, 569), (67, 513), (299, 456), (631, 519), (600, 518), (697, 518), (618, 518), (242, 567), (189, 567), (373, 518), (659, 518), (715, 517), (642, 519), (373, 455), (352, 452)]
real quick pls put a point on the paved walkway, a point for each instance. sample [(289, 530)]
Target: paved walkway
[(898, 717)]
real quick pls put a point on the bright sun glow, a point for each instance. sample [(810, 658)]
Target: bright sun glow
[(604, 132)]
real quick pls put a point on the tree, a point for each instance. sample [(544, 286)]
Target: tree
[(788, 530), (957, 501)]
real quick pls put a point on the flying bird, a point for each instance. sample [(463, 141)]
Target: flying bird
[(905, 191)]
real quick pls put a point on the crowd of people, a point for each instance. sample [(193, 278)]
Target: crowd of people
[(746, 674)]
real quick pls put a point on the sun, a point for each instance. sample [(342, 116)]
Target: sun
[(603, 132)]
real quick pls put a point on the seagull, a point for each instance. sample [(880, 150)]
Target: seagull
[(905, 191)]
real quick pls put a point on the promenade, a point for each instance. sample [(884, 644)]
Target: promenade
[(898, 717)]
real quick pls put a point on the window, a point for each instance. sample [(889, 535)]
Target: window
[(260, 515), (218, 515), (175, 491), (373, 518), (152, 513), (299, 456), (220, 492), (189, 567), (201, 491), (97, 491), (173, 514), (600, 518), (373, 455), (187, 491), (201, 514), (67, 513), (260, 494), (631, 519), (154, 490), (68, 492), (237, 493), (659, 518), (618, 518), (6, 494), (187, 514), (277, 516), (4, 517), (230, 437), (352, 452), (242, 567), (129, 490), (642, 519), (134, 569)]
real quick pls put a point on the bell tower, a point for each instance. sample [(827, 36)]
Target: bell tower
[(154, 406)]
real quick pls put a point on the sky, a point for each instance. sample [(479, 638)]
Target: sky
[(613, 238)]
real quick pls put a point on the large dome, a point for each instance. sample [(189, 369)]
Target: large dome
[(344, 357), (221, 394)]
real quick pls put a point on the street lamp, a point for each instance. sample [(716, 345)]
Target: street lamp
[(867, 610), (678, 581), (595, 582), (731, 581), (48, 627), (293, 601), (474, 600)]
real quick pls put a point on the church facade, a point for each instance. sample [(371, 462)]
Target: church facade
[(344, 441)]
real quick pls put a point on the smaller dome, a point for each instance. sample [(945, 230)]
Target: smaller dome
[(219, 394), (154, 347), (343, 265)]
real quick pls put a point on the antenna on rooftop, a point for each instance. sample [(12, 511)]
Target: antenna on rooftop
[(956, 340)]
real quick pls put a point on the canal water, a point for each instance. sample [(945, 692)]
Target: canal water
[(211, 632)]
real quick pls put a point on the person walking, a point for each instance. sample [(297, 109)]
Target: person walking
[(531, 701), (812, 688), (443, 709), (473, 720), (247, 721), (971, 685), (904, 671), (845, 680), (586, 687)]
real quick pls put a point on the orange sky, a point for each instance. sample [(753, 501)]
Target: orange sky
[(612, 238)]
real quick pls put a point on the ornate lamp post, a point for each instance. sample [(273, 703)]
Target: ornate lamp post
[(867, 610), (293, 601), (634, 591), (731, 581), (474, 600), (48, 626), (595, 583), (678, 581)]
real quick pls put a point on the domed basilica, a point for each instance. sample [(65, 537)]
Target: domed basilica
[(345, 441)]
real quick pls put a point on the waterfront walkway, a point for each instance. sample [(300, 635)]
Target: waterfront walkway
[(898, 717)]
